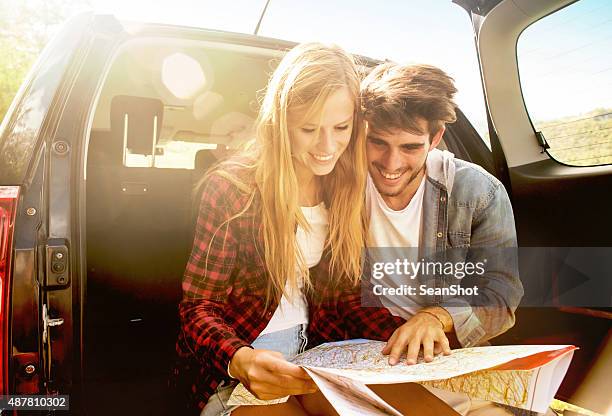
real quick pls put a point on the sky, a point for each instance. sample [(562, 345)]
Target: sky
[(564, 55), (565, 61)]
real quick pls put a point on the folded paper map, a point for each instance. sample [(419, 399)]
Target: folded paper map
[(524, 376)]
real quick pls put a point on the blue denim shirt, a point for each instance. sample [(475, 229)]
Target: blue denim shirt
[(476, 213)]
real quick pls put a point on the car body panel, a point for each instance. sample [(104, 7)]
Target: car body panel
[(555, 205), (36, 155)]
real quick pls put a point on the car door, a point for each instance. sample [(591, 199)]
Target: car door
[(41, 147), (560, 196)]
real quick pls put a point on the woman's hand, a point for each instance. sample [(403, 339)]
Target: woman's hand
[(268, 375), (423, 329)]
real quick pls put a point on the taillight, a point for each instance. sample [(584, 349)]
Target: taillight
[(8, 209)]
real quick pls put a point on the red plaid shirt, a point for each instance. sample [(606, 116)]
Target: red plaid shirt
[(224, 288)]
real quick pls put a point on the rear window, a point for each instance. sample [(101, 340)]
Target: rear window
[(172, 155), (177, 105), (565, 67)]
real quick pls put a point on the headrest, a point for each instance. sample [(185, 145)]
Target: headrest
[(141, 117), (204, 159)]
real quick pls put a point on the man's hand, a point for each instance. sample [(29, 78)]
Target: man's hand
[(268, 375), (423, 329)]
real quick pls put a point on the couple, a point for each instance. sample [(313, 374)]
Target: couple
[(338, 164)]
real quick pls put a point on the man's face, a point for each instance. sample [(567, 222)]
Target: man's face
[(396, 161)]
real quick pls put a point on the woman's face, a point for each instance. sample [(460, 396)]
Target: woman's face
[(318, 142)]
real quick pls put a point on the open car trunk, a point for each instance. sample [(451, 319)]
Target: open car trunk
[(149, 146)]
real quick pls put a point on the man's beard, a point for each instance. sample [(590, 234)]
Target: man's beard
[(403, 188)]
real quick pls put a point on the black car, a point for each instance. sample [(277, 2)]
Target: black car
[(102, 148)]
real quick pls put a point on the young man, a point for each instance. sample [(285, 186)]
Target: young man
[(425, 198), (419, 196)]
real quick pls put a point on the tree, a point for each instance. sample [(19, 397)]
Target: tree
[(25, 28)]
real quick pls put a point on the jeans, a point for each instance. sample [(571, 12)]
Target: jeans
[(289, 342)]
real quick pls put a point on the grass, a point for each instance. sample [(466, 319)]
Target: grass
[(584, 140)]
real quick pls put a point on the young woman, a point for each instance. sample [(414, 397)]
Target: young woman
[(279, 238)]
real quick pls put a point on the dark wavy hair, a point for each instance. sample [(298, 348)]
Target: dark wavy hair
[(395, 97)]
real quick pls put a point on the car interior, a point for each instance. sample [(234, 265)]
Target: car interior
[(150, 143)]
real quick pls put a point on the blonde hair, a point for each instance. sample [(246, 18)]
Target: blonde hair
[(306, 76)]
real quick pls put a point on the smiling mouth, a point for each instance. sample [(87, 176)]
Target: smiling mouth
[(390, 176), (322, 157)]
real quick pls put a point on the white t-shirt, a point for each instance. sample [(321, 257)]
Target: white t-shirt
[(390, 228), (395, 229), (293, 308), (401, 229)]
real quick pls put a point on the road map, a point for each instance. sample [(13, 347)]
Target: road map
[(503, 374)]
